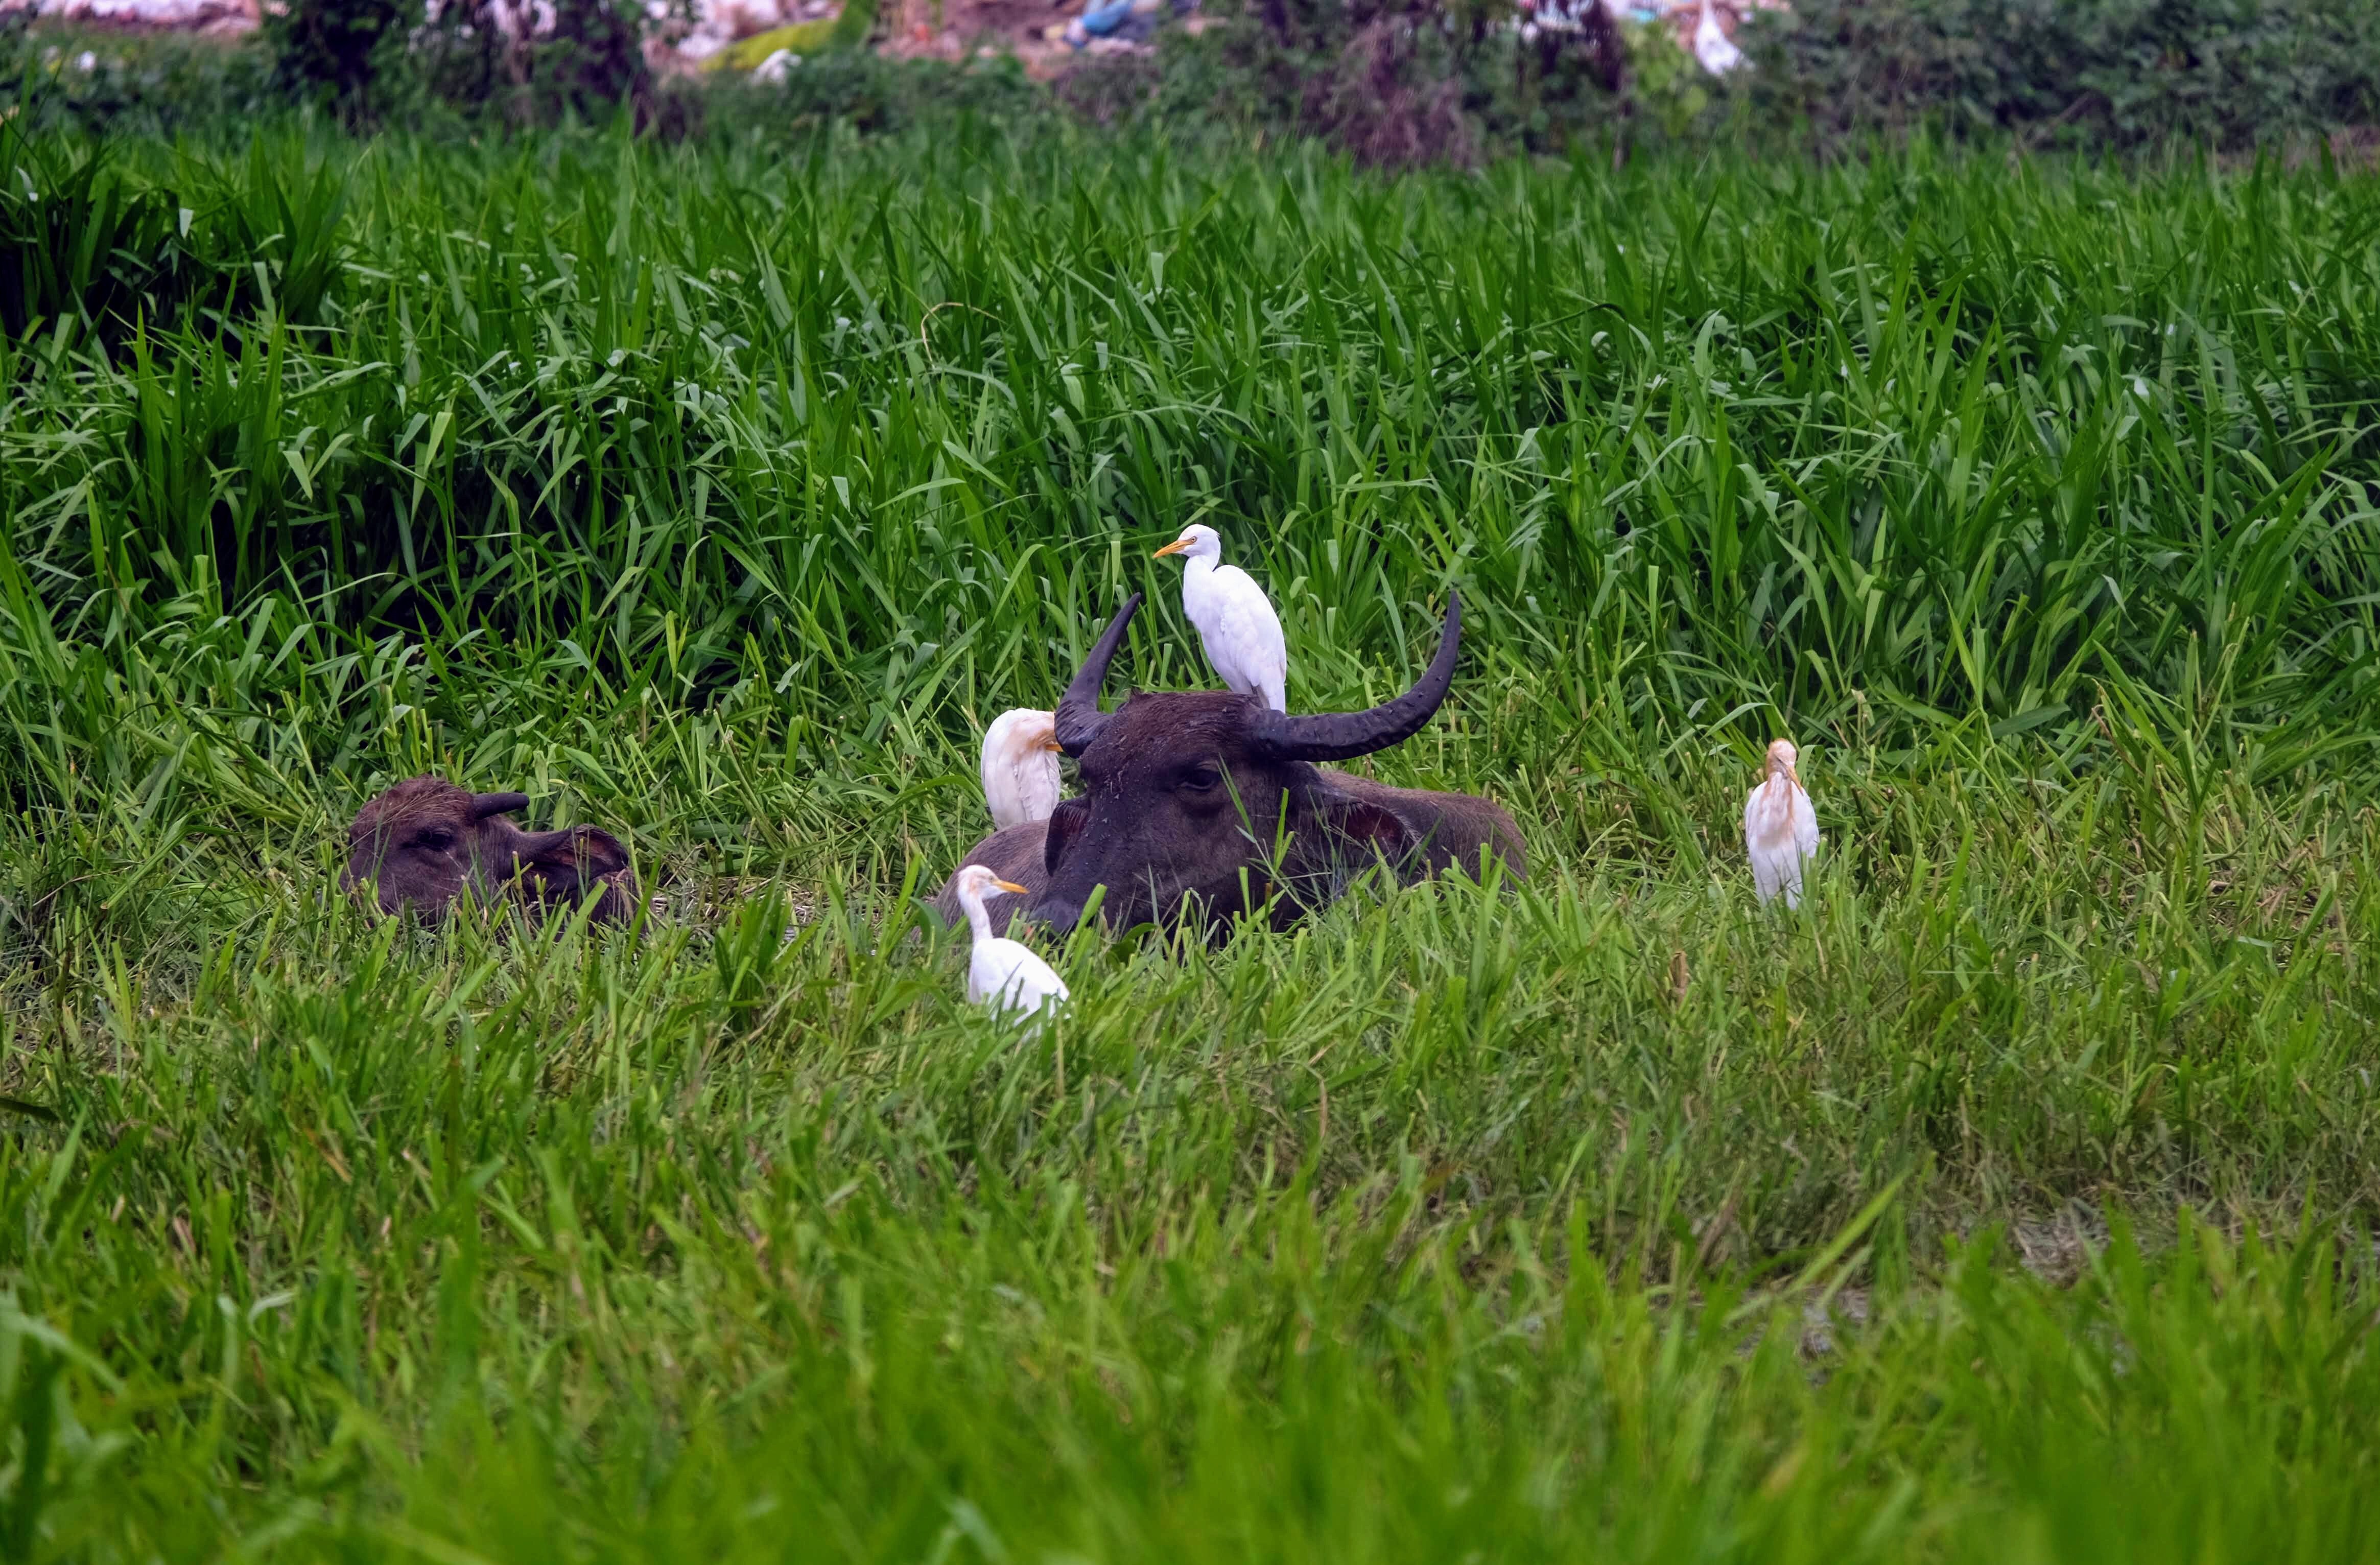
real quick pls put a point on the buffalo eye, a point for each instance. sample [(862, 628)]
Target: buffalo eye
[(1203, 780), (437, 840)]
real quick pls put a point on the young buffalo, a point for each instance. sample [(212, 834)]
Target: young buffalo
[(426, 841), (1213, 800)]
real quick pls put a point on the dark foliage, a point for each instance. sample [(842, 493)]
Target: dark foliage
[(589, 62), (1394, 83), (593, 59), (77, 239), (1405, 81), (160, 84), (87, 240), (1390, 83), (368, 60), (346, 56), (2229, 74)]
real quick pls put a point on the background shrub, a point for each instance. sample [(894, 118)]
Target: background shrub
[(156, 84), (1389, 82), (369, 60), (1393, 83), (2229, 74), (349, 56), (1408, 81), (874, 96)]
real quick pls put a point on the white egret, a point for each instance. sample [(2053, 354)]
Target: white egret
[(1780, 830), (1713, 47), (1235, 621), (1001, 973), (1020, 767)]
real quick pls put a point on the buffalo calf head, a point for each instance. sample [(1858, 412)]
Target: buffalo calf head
[(426, 841)]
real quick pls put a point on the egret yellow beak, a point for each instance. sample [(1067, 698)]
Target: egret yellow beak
[(1054, 748), (1013, 886), (1175, 547)]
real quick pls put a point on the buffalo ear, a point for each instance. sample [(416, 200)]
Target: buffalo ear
[(1067, 819), (584, 853), (1364, 831), (599, 851)]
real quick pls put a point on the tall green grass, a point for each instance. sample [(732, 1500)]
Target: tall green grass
[(1444, 1224), (2014, 1198), (1874, 447)]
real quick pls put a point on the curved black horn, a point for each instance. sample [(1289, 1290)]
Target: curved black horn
[(1079, 717), (1338, 735), (486, 804)]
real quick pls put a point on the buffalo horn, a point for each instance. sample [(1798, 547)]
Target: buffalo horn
[(1080, 718), (1338, 735), (486, 804)]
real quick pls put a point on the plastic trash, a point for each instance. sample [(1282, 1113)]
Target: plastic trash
[(1717, 52)]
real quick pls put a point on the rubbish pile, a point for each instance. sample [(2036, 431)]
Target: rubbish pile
[(711, 40), (747, 34), (220, 16), (770, 37), (1109, 25), (717, 24), (767, 38), (1703, 27)]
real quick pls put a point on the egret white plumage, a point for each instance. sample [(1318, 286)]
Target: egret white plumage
[(1001, 973), (1235, 621), (1020, 767), (1713, 47), (1780, 830)]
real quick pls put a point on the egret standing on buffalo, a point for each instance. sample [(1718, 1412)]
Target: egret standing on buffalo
[(1020, 767), (1001, 973), (1235, 621), (1780, 830)]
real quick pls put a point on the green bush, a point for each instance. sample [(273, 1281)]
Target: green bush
[(1410, 81), (2226, 73), (368, 60), (1399, 84), (593, 60), (350, 57), (1390, 83), (874, 96), (154, 84)]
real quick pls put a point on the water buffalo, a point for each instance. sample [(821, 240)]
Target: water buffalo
[(426, 841), (1209, 799)]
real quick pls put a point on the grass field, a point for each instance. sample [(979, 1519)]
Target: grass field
[(2014, 1200)]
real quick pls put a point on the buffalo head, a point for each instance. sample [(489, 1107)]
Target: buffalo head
[(1211, 800), (426, 841)]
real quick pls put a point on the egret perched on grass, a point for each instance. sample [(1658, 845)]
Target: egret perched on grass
[(1020, 767), (1235, 621), (1780, 830), (1717, 52), (1001, 973)]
